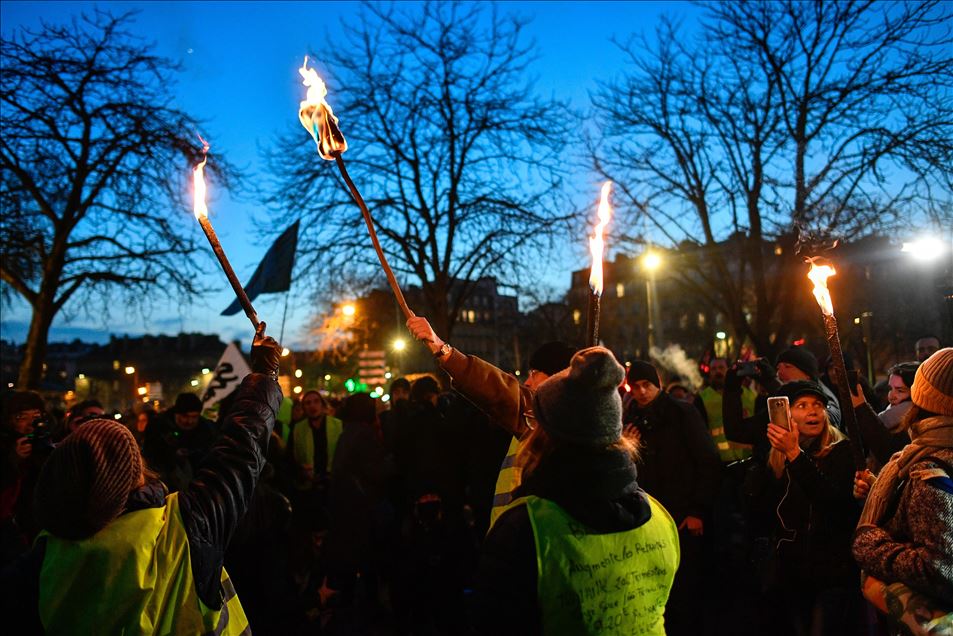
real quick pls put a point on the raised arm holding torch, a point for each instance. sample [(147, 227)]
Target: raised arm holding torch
[(318, 119), (201, 213)]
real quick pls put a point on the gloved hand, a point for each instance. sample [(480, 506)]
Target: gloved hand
[(732, 381), (767, 377), (265, 353)]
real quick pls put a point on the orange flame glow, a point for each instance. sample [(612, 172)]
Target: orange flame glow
[(819, 275), (198, 184), (317, 117), (597, 243)]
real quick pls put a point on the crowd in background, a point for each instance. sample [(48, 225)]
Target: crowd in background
[(372, 518)]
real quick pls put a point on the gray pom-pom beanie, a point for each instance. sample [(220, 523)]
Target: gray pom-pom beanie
[(581, 404)]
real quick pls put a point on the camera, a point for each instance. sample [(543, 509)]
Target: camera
[(41, 438)]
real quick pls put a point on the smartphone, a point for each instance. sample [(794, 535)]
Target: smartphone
[(748, 369), (779, 411)]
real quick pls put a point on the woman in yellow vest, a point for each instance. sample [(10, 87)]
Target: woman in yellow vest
[(119, 556), (582, 549)]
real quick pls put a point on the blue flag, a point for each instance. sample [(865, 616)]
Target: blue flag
[(274, 271)]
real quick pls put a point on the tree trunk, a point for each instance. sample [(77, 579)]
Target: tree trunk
[(34, 355)]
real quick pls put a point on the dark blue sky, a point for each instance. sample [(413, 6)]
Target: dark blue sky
[(240, 63)]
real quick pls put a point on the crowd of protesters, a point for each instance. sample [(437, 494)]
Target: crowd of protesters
[(597, 496)]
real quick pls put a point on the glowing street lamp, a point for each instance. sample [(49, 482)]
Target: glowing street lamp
[(925, 249), (130, 370), (651, 261), (399, 345)]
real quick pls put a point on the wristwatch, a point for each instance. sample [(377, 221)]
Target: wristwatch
[(443, 351)]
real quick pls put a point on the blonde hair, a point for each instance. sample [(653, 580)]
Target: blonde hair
[(829, 436), (538, 444)]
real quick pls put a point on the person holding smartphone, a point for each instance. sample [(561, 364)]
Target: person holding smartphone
[(810, 482)]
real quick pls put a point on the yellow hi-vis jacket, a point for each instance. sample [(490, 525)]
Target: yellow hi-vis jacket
[(132, 577), (615, 583), (507, 481), (728, 451)]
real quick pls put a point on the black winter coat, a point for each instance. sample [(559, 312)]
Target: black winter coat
[(679, 463), (819, 514), (211, 508)]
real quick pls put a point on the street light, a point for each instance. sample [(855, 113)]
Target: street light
[(298, 373), (651, 261), (348, 310), (285, 352), (399, 345), (925, 249), (130, 370)]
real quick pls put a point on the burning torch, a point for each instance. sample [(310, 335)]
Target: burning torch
[(596, 248), (819, 275), (201, 213), (318, 119)]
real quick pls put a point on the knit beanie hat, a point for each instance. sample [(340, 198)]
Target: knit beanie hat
[(800, 358), (933, 384), (187, 403), (581, 404), (551, 357), (87, 479), (640, 370), (18, 401)]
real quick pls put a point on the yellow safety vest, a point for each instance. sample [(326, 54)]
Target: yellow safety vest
[(304, 445), (506, 482), (616, 583), (132, 577), (728, 451)]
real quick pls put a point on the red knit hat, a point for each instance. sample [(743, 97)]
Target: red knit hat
[(933, 384), (87, 479)]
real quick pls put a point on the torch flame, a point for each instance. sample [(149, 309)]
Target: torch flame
[(597, 243), (198, 184), (819, 275), (317, 117)]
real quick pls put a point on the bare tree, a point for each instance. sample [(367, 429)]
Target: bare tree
[(94, 167), (834, 116), (457, 158)]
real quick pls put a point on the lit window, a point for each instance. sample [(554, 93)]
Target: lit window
[(471, 316), (619, 290), (701, 319), (576, 316)]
